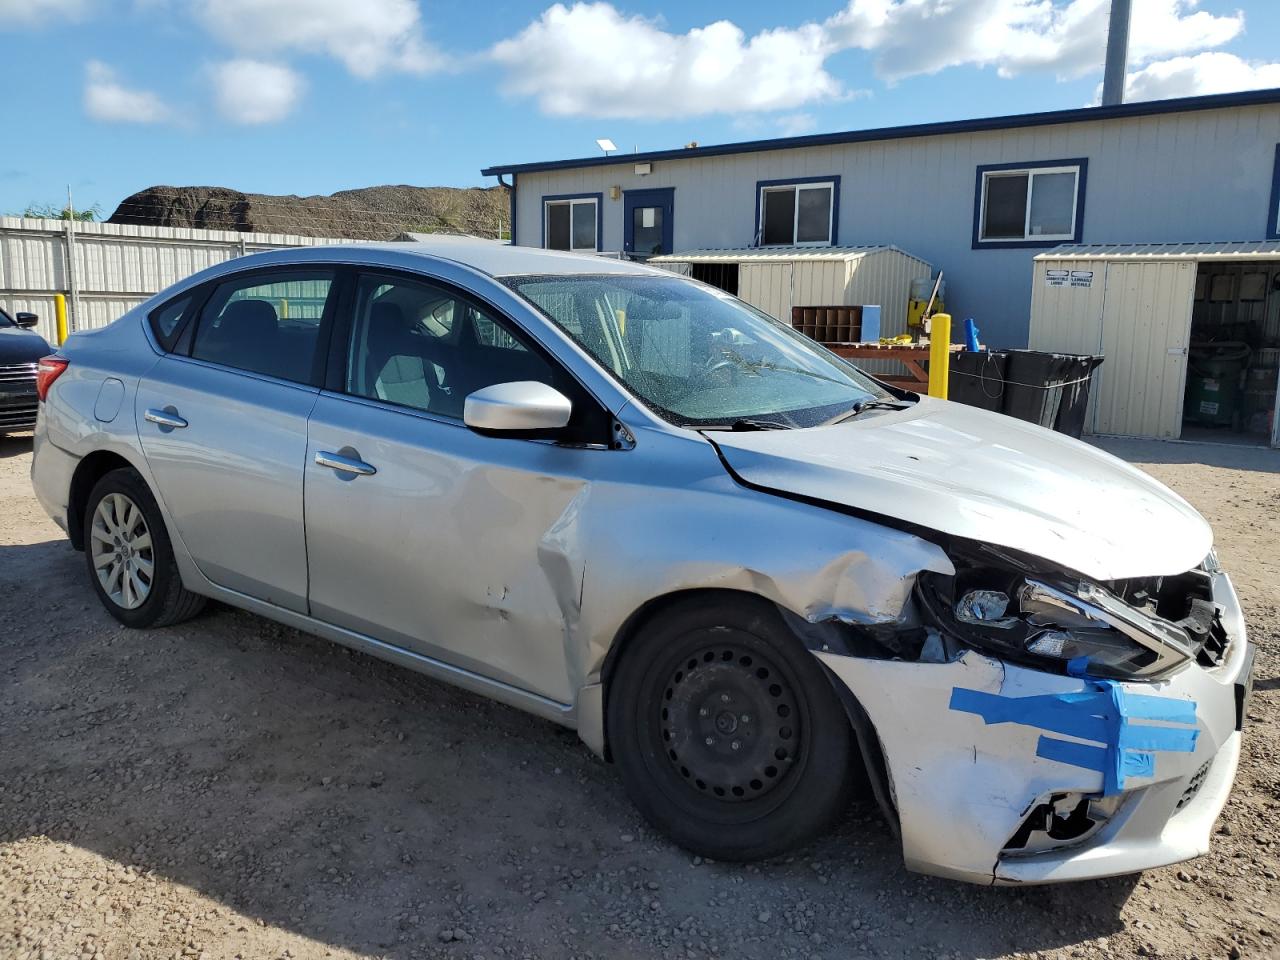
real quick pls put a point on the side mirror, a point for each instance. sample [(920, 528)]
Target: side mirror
[(26, 319), (524, 408)]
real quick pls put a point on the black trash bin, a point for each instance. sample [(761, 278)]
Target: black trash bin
[(1049, 389), (977, 379), (1075, 396)]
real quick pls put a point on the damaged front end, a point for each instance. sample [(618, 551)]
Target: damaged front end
[(1020, 610), (1021, 709)]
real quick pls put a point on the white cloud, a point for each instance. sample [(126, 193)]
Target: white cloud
[(368, 37), (795, 124), (591, 59), (1202, 74), (33, 12), (106, 99), (252, 92), (912, 37)]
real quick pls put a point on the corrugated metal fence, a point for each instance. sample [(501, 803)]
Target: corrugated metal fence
[(104, 269)]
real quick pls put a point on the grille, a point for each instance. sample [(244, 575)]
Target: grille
[(1197, 781), (17, 372), (18, 418), (17, 396)]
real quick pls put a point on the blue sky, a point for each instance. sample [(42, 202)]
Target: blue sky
[(313, 96)]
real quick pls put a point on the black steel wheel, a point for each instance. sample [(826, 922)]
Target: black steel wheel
[(728, 735), (729, 722)]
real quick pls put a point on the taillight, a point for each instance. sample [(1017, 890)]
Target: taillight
[(49, 370)]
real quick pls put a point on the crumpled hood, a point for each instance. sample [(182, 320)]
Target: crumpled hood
[(987, 477)]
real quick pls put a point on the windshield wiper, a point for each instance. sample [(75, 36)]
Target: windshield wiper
[(871, 403), (748, 424)]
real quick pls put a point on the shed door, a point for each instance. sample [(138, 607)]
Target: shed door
[(767, 287), (1146, 328)]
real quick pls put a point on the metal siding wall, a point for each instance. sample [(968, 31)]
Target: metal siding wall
[(116, 266), (767, 286), (884, 278), (1067, 319), (1151, 179), (817, 284), (1146, 313)]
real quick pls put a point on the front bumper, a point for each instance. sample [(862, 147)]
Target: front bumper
[(963, 786)]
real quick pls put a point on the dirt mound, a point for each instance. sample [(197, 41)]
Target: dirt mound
[(371, 213)]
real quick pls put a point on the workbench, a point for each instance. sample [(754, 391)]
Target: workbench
[(910, 355)]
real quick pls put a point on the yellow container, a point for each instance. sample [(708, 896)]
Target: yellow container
[(916, 309)]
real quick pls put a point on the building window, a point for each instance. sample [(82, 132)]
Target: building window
[(572, 223), (1029, 204), (797, 212)]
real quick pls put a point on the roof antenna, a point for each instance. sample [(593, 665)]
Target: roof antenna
[(1117, 54), (607, 145)]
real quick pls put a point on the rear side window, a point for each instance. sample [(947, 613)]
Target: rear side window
[(263, 323), (166, 322)]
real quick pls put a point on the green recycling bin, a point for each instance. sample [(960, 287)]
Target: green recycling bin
[(1214, 394)]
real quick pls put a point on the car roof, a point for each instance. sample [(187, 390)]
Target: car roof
[(493, 257)]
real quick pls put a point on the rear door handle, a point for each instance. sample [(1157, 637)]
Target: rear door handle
[(345, 464), (164, 418)]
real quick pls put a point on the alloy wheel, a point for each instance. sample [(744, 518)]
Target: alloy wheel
[(123, 558)]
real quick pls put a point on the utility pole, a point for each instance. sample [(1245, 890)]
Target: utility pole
[(1117, 54), (73, 286)]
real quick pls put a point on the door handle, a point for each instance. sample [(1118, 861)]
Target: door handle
[(345, 464), (164, 418)]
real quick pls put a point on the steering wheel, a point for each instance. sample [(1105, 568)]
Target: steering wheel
[(700, 378)]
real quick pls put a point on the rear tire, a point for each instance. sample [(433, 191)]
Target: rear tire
[(129, 556), (702, 676)]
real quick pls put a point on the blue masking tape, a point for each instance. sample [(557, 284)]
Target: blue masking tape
[(1077, 754), (1071, 717), (1139, 764), (1078, 666), (1159, 708), (1101, 713)]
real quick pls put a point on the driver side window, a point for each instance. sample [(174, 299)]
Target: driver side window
[(421, 346)]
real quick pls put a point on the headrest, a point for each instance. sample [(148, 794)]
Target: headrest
[(249, 320), (646, 309)]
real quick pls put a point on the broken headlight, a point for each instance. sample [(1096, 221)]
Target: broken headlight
[(1051, 623)]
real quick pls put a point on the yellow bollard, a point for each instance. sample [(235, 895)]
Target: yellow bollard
[(939, 354), (60, 313)]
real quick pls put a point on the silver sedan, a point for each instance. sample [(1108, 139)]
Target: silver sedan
[(747, 573)]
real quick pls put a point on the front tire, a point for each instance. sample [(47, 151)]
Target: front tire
[(129, 556), (727, 733)]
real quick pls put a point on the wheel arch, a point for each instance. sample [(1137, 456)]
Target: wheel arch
[(91, 468), (870, 753)]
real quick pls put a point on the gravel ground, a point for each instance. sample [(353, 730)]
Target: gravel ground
[(232, 788)]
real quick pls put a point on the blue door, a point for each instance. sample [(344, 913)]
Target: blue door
[(647, 220)]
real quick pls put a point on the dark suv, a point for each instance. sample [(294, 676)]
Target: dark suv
[(20, 351)]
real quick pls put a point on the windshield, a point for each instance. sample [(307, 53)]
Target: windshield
[(6, 320), (697, 356)]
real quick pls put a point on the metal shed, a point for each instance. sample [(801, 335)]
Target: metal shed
[(1134, 304), (775, 280)]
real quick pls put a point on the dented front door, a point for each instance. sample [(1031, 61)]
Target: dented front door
[(449, 547)]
